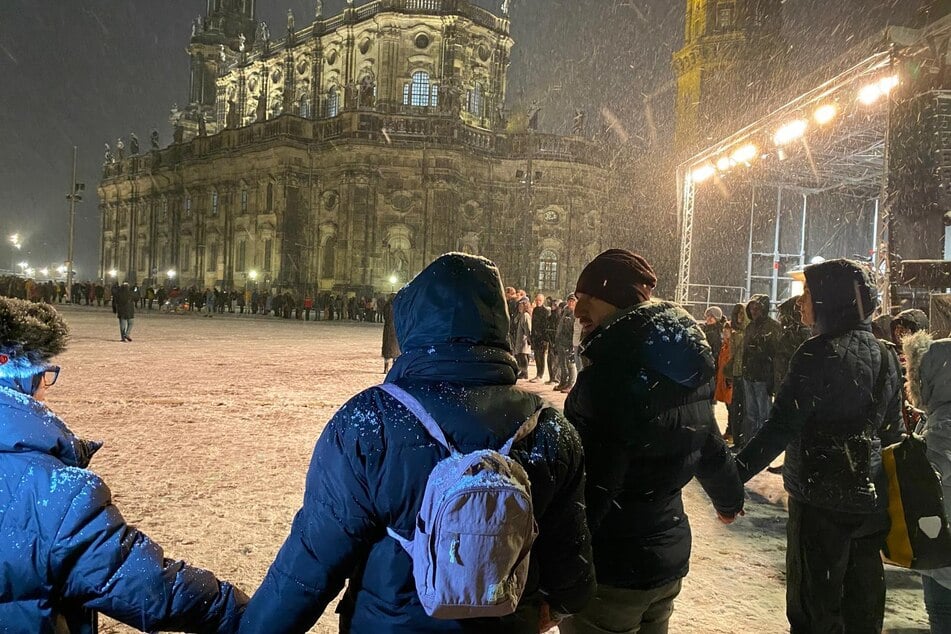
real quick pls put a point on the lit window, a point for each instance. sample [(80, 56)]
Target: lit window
[(475, 100), (548, 271), (214, 203), (333, 104), (420, 92), (188, 206)]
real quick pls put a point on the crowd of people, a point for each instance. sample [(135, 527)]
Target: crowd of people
[(609, 542), (279, 303)]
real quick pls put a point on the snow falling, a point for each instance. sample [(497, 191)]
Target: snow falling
[(209, 425)]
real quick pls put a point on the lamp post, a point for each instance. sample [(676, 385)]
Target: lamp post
[(393, 281), (74, 196)]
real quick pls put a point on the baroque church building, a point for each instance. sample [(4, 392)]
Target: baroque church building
[(348, 153)]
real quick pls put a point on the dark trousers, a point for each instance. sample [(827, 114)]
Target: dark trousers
[(835, 580), (734, 425), (619, 610), (938, 604), (539, 351), (522, 365)]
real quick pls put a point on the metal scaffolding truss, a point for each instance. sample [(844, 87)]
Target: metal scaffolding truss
[(846, 153)]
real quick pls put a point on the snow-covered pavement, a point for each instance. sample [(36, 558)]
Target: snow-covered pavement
[(209, 425)]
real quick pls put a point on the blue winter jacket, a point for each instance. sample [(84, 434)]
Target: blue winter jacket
[(371, 462), (66, 552)]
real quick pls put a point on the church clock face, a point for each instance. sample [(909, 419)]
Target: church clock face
[(551, 216)]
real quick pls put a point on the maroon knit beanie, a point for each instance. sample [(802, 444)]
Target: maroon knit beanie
[(619, 277)]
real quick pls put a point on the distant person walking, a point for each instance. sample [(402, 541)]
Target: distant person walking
[(123, 305)]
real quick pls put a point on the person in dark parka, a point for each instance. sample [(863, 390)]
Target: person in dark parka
[(839, 403), (908, 322), (391, 347), (760, 346), (793, 335), (123, 305), (371, 463), (643, 410), (66, 553)]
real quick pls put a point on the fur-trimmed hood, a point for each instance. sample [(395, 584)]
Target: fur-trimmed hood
[(929, 370), (30, 335)]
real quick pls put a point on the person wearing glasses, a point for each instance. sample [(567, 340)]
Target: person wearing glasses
[(66, 553)]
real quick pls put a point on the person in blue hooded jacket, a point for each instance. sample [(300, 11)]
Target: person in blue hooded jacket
[(65, 551), (370, 466), (643, 410)]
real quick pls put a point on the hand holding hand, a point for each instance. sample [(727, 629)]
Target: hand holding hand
[(729, 519), (545, 619)]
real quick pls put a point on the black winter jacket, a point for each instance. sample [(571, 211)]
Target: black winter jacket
[(824, 416), (540, 317), (761, 344), (646, 422), (372, 460)]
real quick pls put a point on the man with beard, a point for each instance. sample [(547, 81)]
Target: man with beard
[(643, 409)]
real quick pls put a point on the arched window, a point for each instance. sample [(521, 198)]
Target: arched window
[(420, 91), (214, 203), (548, 270), (304, 107), (476, 101), (333, 103), (328, 258)]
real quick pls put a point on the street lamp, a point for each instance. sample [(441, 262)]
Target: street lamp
[(393, 281), (113, 273), (170, 273), (252, 275)]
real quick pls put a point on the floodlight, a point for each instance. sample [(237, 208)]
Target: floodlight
[(702, 173), (170, 274), (393, 279), (113, 273), (790, 132), (745, 153), (253, 275), (23, 265), (44, 272), (724, 163), (873, 92), (825, 114), (61, 269)]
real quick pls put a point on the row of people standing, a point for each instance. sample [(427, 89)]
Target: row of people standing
[(546, 331)]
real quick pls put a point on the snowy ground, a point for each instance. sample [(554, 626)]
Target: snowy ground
[(209, 425)]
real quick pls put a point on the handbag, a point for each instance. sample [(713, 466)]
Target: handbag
[(919, 537)]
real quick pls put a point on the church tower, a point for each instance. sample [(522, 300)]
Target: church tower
[(723, 67), (227, 29)]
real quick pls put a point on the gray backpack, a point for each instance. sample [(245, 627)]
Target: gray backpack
[(475, 527)]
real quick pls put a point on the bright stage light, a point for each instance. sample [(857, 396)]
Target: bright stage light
[(873, 92), (724, 163), (825, 114), (61, 269), (745, 153), (702, 173), (44, 272), (790, 132)]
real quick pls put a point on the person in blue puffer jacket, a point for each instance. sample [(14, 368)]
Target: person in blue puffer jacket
[(66, 553), (370, 466)]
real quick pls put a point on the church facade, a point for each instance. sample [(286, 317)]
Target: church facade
[(346, 155)]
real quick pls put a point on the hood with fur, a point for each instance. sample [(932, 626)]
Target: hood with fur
[(30, 335), (929, 370)]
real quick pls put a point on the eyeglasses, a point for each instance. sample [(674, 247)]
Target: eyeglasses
[(47, 378)]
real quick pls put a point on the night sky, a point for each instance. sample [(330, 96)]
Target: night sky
[(84, 72)]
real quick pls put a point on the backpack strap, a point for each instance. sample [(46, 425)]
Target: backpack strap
[(526, 428), (416, 409)]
